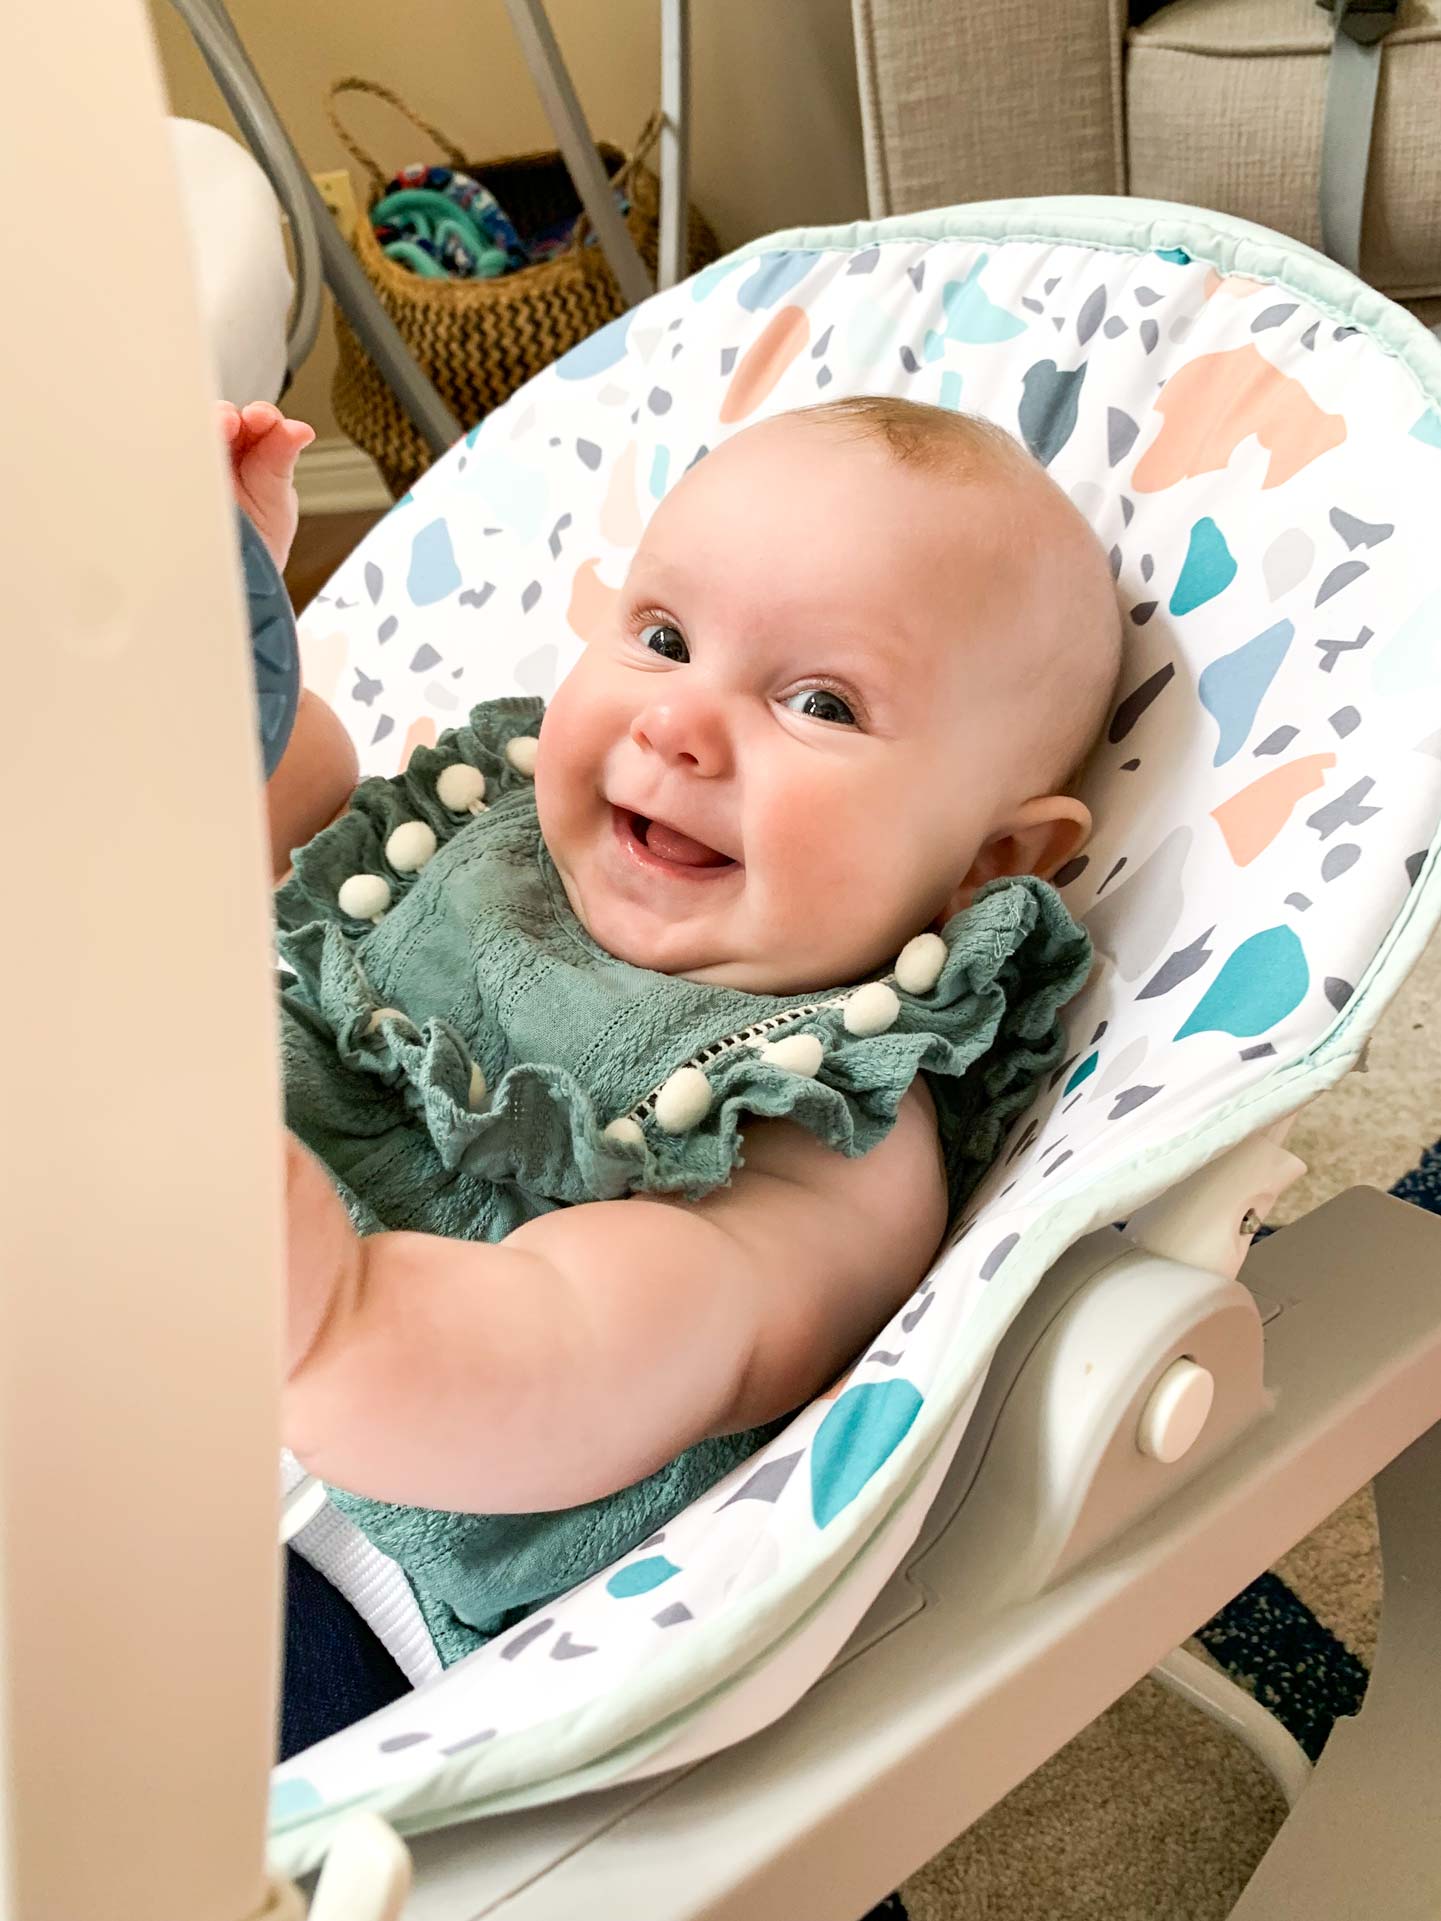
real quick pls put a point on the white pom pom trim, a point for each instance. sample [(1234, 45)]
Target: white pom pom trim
[(683, 1100), (871, 1009), (364, 896), (521, 753), (920, 963), (630, 1133), (410, 846), (461, 789), (796, 1053)]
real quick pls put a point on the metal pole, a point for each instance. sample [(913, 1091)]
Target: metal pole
[(674, 138), (265, 132), (563, 110)]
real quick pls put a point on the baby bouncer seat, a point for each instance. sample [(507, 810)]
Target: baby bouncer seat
[(1092, 1425)]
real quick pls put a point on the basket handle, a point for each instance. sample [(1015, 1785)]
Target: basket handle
[(625, 173), (353, 84)]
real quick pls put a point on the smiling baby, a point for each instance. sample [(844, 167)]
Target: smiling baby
[(642, 1046)]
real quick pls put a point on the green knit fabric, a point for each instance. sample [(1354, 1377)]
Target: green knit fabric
[(486, 963)]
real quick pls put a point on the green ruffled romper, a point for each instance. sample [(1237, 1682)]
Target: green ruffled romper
[(470, 1058)]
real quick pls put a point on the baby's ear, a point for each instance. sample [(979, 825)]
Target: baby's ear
[(1039, 838)]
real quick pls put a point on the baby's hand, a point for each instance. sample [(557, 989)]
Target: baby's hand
[(263, 449)]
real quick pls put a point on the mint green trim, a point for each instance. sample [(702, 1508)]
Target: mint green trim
[(607, 1738), (1119, 225)]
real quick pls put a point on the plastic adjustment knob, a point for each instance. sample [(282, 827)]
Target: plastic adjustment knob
[(1180, 1403)]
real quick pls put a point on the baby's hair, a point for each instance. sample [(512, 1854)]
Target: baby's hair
[(921, 435), (939, 440)]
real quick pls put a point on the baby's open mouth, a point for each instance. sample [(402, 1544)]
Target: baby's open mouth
[(665, 845)]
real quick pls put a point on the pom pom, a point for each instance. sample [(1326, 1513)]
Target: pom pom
[(796, 1053), (410, 847), (920, 963), (628, 1132), (683, 1100), (364, 896), (475, 1094), (871, 1009), (461, 789), (521, 753)]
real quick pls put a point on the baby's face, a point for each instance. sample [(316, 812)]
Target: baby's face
[(802, 736)]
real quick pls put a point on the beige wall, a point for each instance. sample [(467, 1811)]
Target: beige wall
[(775, 138)]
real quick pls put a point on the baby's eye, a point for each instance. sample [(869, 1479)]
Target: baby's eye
[(662, 638), (819, 703)]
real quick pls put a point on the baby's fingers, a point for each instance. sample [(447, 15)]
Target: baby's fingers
[(272, 439), (227, 419)]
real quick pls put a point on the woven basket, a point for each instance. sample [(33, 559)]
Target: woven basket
[(478, 340)]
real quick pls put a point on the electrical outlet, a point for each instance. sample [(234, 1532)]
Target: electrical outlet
[(338, 193)]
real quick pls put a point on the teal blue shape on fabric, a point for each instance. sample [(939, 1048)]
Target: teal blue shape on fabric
[(405, 500), (775, 275), (433, 572), (951, 389), (858, 1436), (602, 350), (1233, 687), (470, 438), (1428, 428), (659, 469), (640, 1577), (934, 345), (291, 1798), (708, 279), (1082, 1073), (1176, 255), (1208, 568), (973, 317), (1258, 985)]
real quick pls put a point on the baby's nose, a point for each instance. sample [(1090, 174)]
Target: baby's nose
[(687, 733)]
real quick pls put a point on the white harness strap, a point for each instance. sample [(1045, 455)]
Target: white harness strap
[(369, 1580)]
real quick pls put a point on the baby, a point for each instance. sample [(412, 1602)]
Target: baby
[(859, 658)]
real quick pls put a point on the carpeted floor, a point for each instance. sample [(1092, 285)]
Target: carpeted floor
[(1153, 1813)]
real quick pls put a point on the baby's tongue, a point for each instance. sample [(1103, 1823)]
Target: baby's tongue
[(671, 844)]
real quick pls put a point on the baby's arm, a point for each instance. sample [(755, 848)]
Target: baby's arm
[(319, 768), (594, 1344), (315, 779)]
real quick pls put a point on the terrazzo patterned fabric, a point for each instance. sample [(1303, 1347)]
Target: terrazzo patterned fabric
[(1256, 438)]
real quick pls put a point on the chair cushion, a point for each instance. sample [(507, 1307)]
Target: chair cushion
[(1256, 438), (1224, 107)]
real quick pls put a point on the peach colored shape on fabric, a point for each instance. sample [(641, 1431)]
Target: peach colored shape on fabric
[(421, 733), (1215, 402), (620, 517), (1238, 285), (591, 601), (1252, 819), (764, 361)]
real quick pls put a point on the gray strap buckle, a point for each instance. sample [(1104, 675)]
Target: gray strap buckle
[(1364, 21)]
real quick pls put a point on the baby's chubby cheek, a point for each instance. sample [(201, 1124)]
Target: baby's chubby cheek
[(805, 850), (568, 771)]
